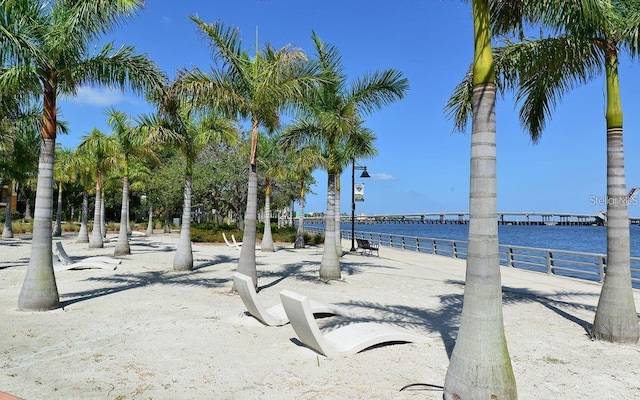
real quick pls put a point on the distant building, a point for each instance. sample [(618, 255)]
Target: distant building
[(7, 196)]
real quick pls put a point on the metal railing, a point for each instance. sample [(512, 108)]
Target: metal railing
[(575, 264)]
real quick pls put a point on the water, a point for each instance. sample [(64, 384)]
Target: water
[(589, 239)]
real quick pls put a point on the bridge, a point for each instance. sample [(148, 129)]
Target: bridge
[(462, 218)]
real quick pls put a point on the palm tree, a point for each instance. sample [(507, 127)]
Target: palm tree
[(18, 162), (190, 133), (272, 163), (329, 115), (301, 164), (251, 87), (131, 144), (480, 366), (586, 41), (84, 168), (62, 174), (100, 148), (46, 48)]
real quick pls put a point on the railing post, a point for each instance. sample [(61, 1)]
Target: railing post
[(511, 256), (403, 244), (549, 262), (418, 245), (391, 241), (435, 247), (454, 248), (603, 268)]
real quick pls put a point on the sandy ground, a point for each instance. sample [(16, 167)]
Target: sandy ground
[(145, 331)]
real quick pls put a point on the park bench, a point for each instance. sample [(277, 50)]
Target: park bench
[(366, 247)]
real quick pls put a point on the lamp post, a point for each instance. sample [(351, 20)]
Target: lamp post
[(364, 174)]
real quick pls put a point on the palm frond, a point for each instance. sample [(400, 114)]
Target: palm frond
[(120, 68), (82, 21), (19, 35), (459, 107), (547, 69), (378, 89)]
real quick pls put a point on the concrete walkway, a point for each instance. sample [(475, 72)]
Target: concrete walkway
[(441, 268)]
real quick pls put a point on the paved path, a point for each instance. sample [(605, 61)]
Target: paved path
[(443, 268)]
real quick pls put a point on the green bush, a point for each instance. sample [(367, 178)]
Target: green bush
[(15, 215), (313, 238), (70, 227), (19, 227)]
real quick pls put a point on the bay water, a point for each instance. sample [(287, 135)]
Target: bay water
[(589, 239)]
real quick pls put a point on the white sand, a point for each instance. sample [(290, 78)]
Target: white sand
[(144, 331)]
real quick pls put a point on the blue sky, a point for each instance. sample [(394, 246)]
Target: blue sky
[(421, 166)]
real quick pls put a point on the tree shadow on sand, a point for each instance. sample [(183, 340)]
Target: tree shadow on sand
[(120, 283), (445, 320)]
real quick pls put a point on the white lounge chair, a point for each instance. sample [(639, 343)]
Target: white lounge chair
[(275, 315), (58, 265), (65, 262), (227, 241), (237, 244), (344, 341)]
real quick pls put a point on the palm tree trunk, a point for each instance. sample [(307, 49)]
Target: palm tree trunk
[(337, 218), (83, 235), (7, 232), (616, 319), (150, 224), (247, 260), (183, 260), (96, 234), (267, 238), (128, 221), (39, 291), (300, 233), (480, 366), (167, 220), (330, 264), (57, 231), (103, 216), (122, 245), (27, 210)]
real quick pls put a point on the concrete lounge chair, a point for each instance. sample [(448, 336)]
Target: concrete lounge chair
[(58, 265), (343, 341), (65, 262), (237, 244), (227, 241), (275, 315)]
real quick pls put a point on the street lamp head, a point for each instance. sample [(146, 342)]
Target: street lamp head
[(365, 174)]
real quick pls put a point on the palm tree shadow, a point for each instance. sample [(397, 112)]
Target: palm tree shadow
[(445, 320), (219, 259), (121, 283)]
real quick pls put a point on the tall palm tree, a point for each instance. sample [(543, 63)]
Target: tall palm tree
[(585, 42), (84, 168), (45, 51), (18, 161), (252, 87), (480, 366), (131, 143), (301, 164), (62, 174), (189, 132), (100, 148), (329, 114), (272, 165)]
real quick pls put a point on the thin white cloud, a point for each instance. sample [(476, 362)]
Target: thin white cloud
[(101, 97), (166, 20), (384, 177)]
